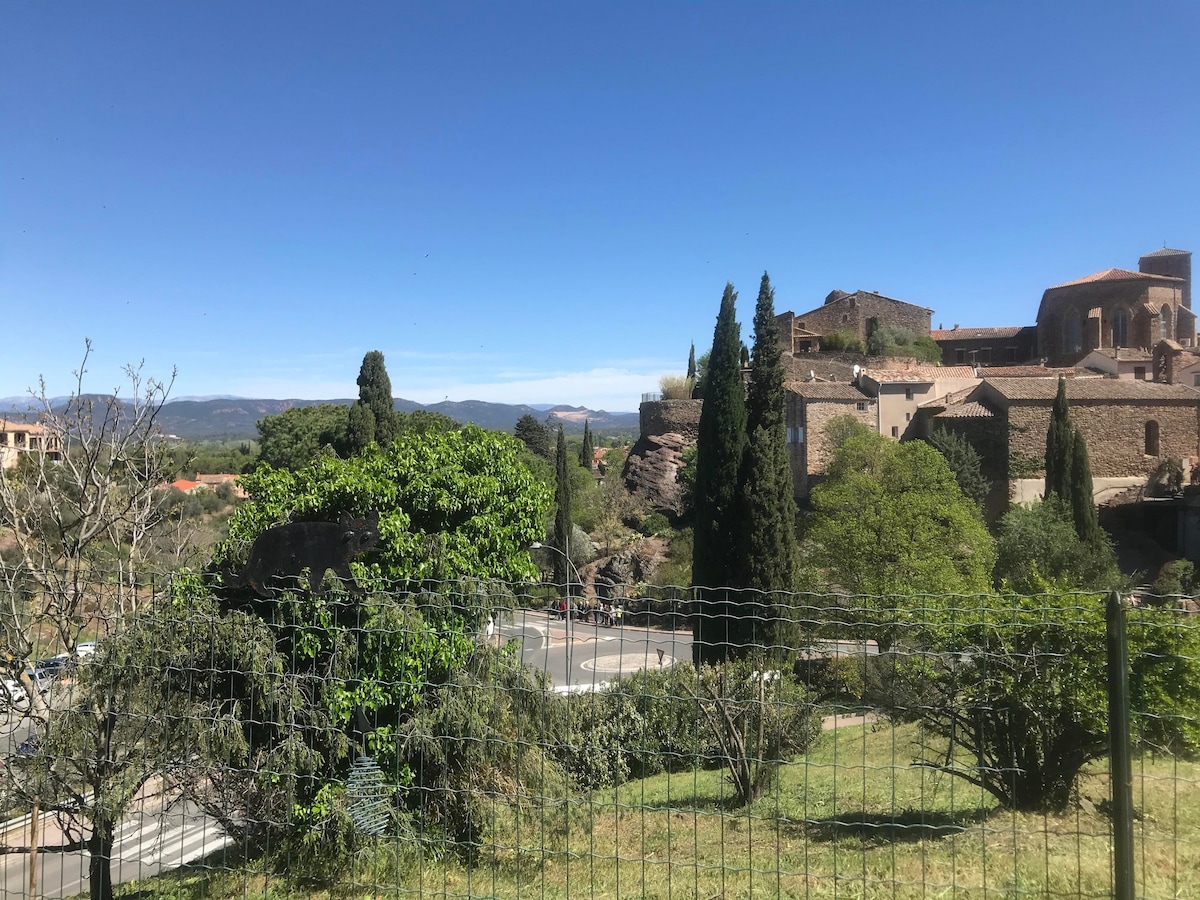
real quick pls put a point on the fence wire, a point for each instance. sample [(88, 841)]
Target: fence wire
[(478, 739)]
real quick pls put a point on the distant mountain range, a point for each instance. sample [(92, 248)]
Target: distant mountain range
[(233, 418)]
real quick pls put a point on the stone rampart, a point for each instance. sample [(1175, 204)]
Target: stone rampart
[(680, 417)]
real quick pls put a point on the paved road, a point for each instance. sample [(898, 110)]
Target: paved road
[(149, 841), (594, 653)]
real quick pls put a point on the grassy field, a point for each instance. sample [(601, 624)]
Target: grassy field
[(853, 819)]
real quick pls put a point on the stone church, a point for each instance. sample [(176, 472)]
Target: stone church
[(1119, 308)]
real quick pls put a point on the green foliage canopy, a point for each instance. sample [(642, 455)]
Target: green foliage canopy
[(451, 504), (891, 522), (964, 462), (1038, 548), (296, 436)]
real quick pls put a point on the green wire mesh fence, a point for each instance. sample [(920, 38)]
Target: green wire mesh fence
[(478, 739)]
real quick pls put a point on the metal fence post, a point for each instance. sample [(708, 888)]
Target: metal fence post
[(1119, 749)]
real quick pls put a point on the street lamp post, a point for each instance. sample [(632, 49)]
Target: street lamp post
[(538, 545)]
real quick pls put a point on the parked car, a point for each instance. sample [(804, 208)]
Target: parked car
[(86, 650), (44, 671), (13, 694)]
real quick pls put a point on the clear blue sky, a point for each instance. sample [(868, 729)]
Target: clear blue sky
[(542, 202)]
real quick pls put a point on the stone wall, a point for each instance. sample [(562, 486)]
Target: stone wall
[(670, 417), (851, 313), (1115, 434), (811, 456)]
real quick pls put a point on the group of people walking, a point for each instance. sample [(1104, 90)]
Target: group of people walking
[(599, 612)]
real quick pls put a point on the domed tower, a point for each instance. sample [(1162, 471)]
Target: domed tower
[(1174, 264)]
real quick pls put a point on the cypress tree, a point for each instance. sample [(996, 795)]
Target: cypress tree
[(1058, 445), (562, 518), (586, 449), (360, 427), (766, 520), (375, 391), (691, 372), (720, 440), (1083, 504)]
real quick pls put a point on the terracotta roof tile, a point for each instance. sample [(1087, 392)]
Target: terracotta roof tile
[(1165, 251), (972, 410), (1084, 389), (826, 390), (1023, 372), (1114, 275), (919, 374), (977, 334)]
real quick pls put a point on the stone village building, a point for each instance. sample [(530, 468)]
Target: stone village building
[(1130, 427), (18, 438), (1136, 328)]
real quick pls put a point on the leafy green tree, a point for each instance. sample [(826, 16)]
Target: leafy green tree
[(1059, 437), (841, 341), (885, 340), (424, 421), (720, 442), (767, 506), (891, 523), (586, 450), (1038, 549), (840, 429), (759, 718), (1019, 688), (375, 393), (457, 512), (296, 436), (964, 462), (534, 435), (562, 516)]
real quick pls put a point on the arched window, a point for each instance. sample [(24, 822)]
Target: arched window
[(1152, 438), (1164, 323), (1120, 328), (1072, 332)]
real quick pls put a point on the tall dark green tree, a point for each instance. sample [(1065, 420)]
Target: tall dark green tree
[(691, 370), (1083, 502), (360, 426), (534, 435), (562, 518), (721, 438), (1058, 446), (964, 462), (767, 506), (375, 393), (586, 449)]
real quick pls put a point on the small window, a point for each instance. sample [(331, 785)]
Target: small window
[(845, 319), (985, 355), (1152, 438), (4, 434), (1139, 372), (1195, 383), (796, 435), (895, 431), (19, 439), (1010, 354), (861, 405), (908, 417), (960, 356), (35, 443), (907, 395)]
